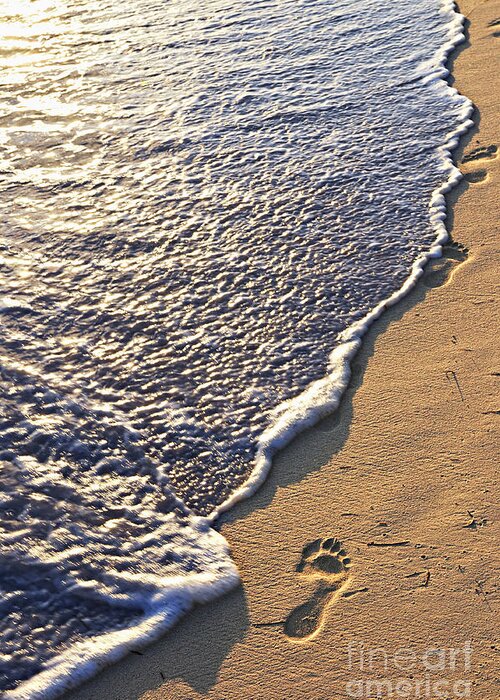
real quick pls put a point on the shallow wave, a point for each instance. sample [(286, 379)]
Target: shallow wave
[(208, 204)]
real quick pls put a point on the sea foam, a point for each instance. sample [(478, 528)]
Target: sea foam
[(208, 204)]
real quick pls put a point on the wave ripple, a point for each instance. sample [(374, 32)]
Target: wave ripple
[(202, 200)]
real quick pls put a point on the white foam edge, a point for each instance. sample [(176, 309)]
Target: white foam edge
[(323, 396), (85, 659)]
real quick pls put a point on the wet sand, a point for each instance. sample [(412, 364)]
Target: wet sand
[(403, 475)]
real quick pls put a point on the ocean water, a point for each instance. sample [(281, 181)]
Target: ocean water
[(204, 205)]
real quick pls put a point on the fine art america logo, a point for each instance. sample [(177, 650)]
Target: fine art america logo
[(407, 673)]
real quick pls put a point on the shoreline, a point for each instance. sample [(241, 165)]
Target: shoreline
[(323, 396), (383, 467)]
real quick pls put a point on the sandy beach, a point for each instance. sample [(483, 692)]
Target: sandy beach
[(402, 474)]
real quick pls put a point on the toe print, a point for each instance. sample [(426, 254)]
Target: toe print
[(327, 561), (324, 556), (481, 152)]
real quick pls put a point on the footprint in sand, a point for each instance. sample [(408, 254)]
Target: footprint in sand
[(328, 562), (488, 152), (438, 271), (476, 176)]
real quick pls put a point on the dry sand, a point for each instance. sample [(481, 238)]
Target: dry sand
[(409, 458)]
